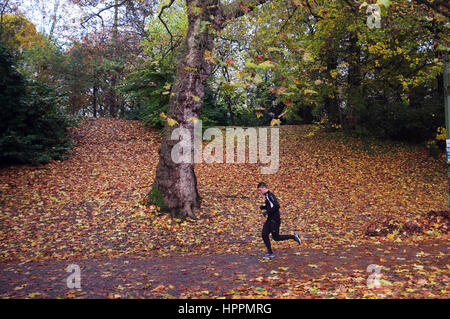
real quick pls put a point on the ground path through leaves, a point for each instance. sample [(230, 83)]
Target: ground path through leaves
[(295, 273)]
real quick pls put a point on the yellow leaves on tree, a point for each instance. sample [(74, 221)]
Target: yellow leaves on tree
[(18, 33)]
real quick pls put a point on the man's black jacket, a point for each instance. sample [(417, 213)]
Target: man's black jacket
[(272, 207)]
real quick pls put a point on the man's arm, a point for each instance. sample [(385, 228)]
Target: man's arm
[(263, 209), (273, 204)]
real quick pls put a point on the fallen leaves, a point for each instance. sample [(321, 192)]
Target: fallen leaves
[(430, 223), (330, 190)]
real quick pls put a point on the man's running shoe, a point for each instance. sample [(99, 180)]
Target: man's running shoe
[(268, 255), (297, 238)]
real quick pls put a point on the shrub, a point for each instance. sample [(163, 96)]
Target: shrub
[(33, 128)]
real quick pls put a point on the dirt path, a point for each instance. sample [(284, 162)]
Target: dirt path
[(295, 274)]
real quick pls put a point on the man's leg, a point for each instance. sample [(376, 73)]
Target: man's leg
[(265, 236), (276, 234)]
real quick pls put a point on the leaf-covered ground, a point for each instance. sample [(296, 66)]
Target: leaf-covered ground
[(340, 194)]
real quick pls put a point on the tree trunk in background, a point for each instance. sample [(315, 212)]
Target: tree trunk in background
[(230, 109), (112, 96), (331, 103), (354, 79), (94, 100)]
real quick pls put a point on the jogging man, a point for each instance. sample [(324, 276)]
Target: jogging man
[(272, 224)]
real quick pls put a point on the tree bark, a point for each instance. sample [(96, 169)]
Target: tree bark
[(176, 182)]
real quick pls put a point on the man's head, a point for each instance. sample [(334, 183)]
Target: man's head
[(262, 187)]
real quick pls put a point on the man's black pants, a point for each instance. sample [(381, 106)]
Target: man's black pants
[(273, 227)]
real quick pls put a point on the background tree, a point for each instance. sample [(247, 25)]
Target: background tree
[(18, 33), (33, 129), (326, 61)]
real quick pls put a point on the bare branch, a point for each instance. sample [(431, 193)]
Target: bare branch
[(98, 13), (2, 13), (167, 6)]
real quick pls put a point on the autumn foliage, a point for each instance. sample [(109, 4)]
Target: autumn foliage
[(91, 207)]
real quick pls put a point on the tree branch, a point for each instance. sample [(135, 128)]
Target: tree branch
[(167, 6), (2, 13), (436, 6), (352, 6), (97, 14), (315, 15), (287, 20), (238, 8)]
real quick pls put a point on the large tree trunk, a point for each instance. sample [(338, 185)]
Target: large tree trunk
[(176, 181)]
